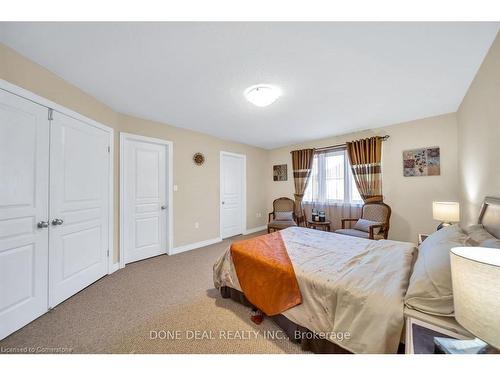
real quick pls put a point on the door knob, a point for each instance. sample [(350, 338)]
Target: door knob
[(42, 224), (223, 202), (164, 207), (57, 221)]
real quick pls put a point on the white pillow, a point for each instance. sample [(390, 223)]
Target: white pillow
[(364, 225), (477, 234), (283, 216), (430, 288)]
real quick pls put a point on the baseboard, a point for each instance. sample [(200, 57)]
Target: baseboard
[(196, 245), (113, 268), (256, 229)]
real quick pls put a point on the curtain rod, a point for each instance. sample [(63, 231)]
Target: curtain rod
[(384, 138)]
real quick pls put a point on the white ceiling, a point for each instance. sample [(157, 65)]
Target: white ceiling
[(335, 77)]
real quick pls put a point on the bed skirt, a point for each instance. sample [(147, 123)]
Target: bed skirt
[(315, 345)]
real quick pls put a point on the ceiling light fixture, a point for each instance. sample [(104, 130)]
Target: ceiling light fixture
[(262, 95)]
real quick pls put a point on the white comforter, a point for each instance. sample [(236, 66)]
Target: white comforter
[(352, 288)]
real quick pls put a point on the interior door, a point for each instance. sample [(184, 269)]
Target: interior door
[(231, 195), (145, 203), (79, 206), (24, 174)]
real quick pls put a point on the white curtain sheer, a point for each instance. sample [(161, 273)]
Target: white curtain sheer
[(334, 212), (332, 188)]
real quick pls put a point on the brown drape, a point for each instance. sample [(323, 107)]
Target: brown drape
[(302, 161), (365, 156)]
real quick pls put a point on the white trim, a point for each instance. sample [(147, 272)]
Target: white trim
[(170, 184), (256, 229), (113, 267), (243, 193), (23, 93), (111, 218), (196, 245)]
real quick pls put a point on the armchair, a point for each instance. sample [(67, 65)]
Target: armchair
[(283, 215), (373, 223)]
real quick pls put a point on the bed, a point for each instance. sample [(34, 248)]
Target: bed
[(353, 289), (356, 314)]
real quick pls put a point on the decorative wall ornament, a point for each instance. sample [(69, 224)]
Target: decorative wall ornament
[(422, 162), (280, 172), (199, 158)]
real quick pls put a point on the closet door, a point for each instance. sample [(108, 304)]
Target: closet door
[(24, 178), (79, 206)]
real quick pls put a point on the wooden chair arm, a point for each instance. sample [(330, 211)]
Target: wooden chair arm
[(372, 227), (344, 221), (269, 216)]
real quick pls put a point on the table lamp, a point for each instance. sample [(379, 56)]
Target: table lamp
[(475, 274), (446, 212)]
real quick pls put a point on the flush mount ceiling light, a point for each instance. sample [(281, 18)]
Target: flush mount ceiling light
[(262, 95)]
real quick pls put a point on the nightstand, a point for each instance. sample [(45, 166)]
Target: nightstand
[(421, 329), (422, 237)]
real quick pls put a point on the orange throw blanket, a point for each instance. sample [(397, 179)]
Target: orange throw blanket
[(266, 274)]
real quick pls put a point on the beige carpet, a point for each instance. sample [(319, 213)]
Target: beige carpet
[(171, 295)]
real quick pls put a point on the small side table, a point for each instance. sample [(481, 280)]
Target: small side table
[(420, 334), (422, 237), (320, 225)]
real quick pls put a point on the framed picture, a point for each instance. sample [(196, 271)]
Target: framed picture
[(422, 162), (280, 172)]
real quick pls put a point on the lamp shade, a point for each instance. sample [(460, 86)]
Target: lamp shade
[(447, 212), (475, 274)]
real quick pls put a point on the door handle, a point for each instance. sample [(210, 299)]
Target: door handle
[(42, 224), (164, 207), (57, 221), (223, 202)]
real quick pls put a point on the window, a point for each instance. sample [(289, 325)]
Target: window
[(332, 180)]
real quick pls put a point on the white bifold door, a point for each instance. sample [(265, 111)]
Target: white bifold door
[(79, 206), (24, 212), (144, 196), (49, 251)]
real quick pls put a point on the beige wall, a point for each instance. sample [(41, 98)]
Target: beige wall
[(479, 136), (23, 72), (409, 197), (475, 129), (197, 198)]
